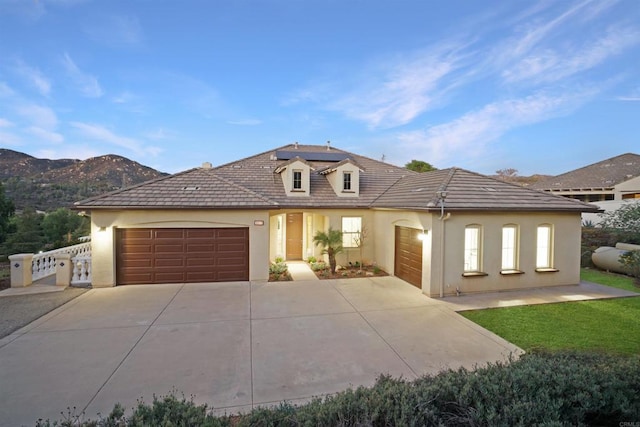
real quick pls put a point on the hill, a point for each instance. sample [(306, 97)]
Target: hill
[(46, 184)]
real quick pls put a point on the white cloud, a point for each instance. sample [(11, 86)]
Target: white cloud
[(5, 90), (34, 76), (39, 116), (158, 134), (86, 83), (7, 138), (398, 90), (99, 133), (245, 122), (46, 135), (549, 65), (469, 134), (4, 123), (115, 30)]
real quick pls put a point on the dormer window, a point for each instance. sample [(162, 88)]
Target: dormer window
[(346, 181), (297, 180), (344, 177)]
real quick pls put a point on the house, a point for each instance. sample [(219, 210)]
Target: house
[(608, 184), (444, 231), (614, 179)]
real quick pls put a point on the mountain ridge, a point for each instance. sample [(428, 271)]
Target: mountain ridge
[(46, 184)]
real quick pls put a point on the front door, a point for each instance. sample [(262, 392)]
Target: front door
[(294, 236)]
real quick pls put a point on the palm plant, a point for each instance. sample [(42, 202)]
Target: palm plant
[(331, 242)]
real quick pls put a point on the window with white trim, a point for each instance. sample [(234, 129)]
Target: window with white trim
[(346, 181), (351, 227), (510, 247), (472, 248), (544, 246), (297, 180)]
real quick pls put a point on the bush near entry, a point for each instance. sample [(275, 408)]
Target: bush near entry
[(565, 388)]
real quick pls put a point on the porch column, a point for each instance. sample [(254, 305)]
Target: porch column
[(21, 273)]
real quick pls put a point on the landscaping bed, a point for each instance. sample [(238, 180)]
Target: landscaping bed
[(351, 271)]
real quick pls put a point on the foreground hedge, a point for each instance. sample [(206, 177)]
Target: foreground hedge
[(538, 389)]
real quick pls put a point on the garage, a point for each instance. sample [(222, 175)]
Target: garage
[(408, 255), (181, 255)]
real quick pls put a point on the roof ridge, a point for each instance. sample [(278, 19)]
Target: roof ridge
[(131, 187), (386, 190), (447, 180)]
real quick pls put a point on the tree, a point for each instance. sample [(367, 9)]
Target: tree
[(507, 174), (7, 210), (331, 242), (359, 241), (419, 166), (28, 236), (624, 222), (60, 225)]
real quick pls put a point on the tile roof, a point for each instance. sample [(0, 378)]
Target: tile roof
[(470, 191), (605, 174), (252, 183)]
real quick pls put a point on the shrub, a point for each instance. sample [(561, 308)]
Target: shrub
[(318, 266), (278, 268), (278, 260), (376, 269), (312, 259), (565, 388), (631, 260)]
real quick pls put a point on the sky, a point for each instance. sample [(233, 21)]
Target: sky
[(538, 86)]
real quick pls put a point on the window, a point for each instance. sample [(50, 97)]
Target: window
[(544, 243), (297, 180), (510, 247), (346, 181), (472, 248), (351, 226)]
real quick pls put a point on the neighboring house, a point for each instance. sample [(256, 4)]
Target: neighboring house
[(444, 231), (614, 179)]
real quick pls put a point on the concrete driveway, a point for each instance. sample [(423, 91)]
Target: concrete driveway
[(232, 345)]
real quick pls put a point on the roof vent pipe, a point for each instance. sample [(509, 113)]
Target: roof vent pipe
[(328, 145), (206, 165)]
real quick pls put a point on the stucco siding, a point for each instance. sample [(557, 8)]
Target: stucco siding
[(565, 252), (104, 224), (385, 222)]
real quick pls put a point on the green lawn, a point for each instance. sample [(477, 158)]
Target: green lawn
[(611, 325)]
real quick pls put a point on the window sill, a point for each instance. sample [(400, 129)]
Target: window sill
[(298, 190), (510, 272), (474, 274), (349, 191), (547, 270)]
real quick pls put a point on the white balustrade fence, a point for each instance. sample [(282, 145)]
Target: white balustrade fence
[(44, 264), (81, 274)]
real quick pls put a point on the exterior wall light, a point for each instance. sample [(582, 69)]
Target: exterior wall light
[(102, 229), (422, 236)]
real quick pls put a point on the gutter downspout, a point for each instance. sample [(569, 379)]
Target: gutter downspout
[(444, 219)]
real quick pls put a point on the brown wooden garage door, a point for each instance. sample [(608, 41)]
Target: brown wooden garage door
[(182, 255), (408, 257)]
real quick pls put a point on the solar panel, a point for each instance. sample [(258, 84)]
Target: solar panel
[(322, 156)]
